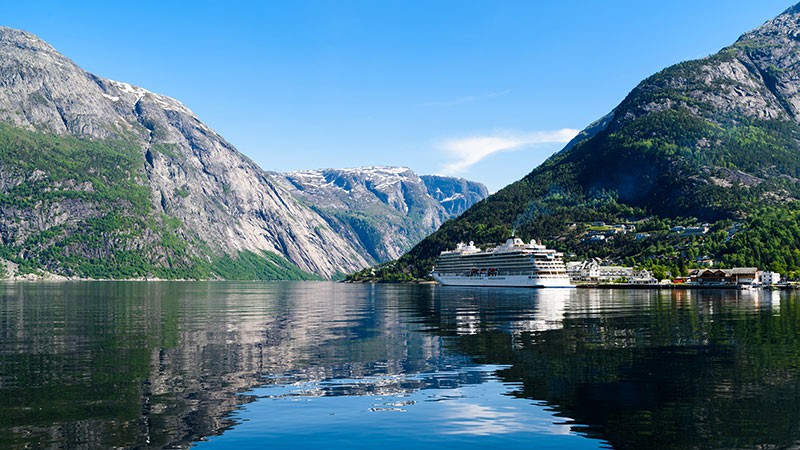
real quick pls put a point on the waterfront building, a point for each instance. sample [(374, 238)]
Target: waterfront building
[(769, 278), (740, 276)]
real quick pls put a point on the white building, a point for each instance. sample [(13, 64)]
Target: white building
[(611, 273), (583, 270), (593, 271), (643, 276), (769, 278), (574, 269), (694, 231)]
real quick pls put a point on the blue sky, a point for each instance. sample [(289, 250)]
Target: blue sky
[(480, 89)]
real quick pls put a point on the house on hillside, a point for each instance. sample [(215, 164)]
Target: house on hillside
[(705, 261), (694, 231), (594, 238), (690, 231), (623, 228)]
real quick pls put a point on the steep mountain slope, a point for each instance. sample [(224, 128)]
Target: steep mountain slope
[(456, 195), (714, 140), (101, 178), (385, 210)]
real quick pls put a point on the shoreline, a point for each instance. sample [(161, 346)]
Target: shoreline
[(683, 287), (48, 277)]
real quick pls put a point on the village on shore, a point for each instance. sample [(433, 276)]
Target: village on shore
[(596, 273), (592, 274)]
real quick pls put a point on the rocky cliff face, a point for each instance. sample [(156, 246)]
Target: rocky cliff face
[(385, 210), (196, 188)]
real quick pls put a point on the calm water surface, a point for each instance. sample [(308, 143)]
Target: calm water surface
[(337, 366)]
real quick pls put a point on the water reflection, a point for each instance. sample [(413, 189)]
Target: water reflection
[(445, 416), (153, 365), (99, 365), (514, 310)]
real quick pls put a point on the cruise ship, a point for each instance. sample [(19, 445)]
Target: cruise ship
[(513, 264)]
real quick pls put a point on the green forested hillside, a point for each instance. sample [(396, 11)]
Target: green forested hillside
[(710, 142)]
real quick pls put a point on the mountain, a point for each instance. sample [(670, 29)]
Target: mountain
[(455, 195), (713, 142), (99, 178), (384, 210)]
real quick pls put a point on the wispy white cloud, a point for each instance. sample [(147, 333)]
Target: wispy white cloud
[(465, 99), (463, 153)]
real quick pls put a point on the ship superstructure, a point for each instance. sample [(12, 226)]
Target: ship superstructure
[(514, 264)]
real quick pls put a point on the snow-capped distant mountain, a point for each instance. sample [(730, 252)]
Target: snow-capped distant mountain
[(386, 210), (454, 194)]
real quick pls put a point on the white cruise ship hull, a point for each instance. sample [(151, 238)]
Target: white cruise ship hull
[(529, 281)]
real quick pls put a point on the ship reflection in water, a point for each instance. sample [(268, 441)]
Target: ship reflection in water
[(239, 365)]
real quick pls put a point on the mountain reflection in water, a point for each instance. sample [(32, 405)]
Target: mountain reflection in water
[(153, 365)]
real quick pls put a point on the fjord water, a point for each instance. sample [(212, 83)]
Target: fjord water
[(327, 365)]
